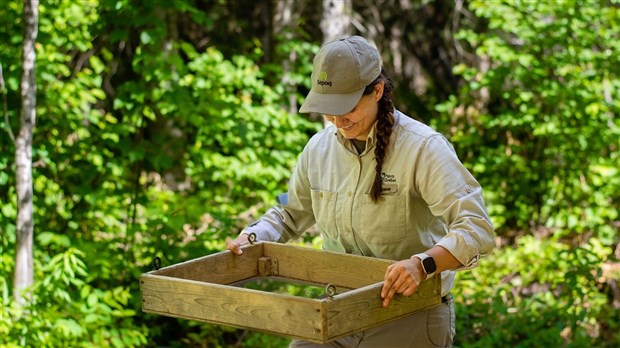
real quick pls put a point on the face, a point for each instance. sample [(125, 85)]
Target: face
[(357, 123)]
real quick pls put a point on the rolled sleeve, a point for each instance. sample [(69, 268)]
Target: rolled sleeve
[(468, 246), (453, 195), (268, 228)]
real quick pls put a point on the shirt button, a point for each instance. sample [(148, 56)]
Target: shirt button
[(468, 189), (349, 193), (321, 194)]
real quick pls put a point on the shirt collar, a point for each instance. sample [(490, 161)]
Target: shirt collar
[(370, 140)]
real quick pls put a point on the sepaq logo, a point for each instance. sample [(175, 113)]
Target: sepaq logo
[(322, 81)]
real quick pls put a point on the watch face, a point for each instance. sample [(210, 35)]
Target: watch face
[(429, 265)]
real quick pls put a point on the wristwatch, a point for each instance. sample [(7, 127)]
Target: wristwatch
[(428, 264)]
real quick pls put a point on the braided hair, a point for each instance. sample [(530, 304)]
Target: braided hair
[(385, 123)]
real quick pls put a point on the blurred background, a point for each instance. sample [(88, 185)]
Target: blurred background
[(165, 126)]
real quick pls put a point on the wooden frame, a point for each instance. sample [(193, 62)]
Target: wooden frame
[(206, 289)]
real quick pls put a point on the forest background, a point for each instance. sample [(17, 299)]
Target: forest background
[(163, 127)]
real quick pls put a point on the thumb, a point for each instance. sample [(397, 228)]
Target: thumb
[(234, 247)]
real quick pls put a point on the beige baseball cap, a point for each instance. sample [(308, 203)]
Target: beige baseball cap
[(342, 69)]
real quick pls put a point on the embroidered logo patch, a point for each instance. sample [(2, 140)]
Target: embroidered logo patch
[(389, 186)]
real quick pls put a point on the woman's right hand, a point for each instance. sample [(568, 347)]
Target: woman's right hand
[(236, 244)]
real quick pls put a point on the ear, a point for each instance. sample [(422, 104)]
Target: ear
[(378, 93)]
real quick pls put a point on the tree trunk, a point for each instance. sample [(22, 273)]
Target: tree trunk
[(336, 20), (23, 156), (283, 23)]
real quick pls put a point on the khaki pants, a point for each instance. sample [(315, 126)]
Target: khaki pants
[(431, 328)]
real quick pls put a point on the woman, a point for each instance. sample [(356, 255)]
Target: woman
[(378, 183)]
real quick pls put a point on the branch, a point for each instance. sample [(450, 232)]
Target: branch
[(6, 113)]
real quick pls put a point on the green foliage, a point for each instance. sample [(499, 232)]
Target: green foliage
[(537, 122), (64, 309), (540, 293), (161, 131), (164, 163)]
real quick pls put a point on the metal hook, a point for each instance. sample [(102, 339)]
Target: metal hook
[(252, 238), (330, 290), (156, 263)]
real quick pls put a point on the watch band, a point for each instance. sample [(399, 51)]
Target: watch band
[(428, 264)]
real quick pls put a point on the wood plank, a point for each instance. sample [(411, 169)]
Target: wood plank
[(361, 309), (220, 268), (226, 305), (326, 267), (201, 290)]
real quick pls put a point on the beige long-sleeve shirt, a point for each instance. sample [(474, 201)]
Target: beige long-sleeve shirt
[(429, 198)]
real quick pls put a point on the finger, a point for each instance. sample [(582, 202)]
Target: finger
[(404, 286), (390, 278), (397, 286), (388, 270), (392, 290), (410, 290), (388, 298), (389, 290), (386, 302), (386, 288), (234, 247), (409, 286)]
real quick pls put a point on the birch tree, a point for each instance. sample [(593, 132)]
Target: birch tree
[(283, 23), (336, 20), (23, 155)]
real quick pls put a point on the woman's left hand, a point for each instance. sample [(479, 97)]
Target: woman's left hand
[(403, 277)]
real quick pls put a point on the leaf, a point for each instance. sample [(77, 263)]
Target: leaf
[(50, 238), (69, 327), (145, 38)]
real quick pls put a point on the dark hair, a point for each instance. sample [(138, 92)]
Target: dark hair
[(385, 123)]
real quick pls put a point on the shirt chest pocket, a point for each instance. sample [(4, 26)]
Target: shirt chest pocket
[(383, 222), (324, 208)]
